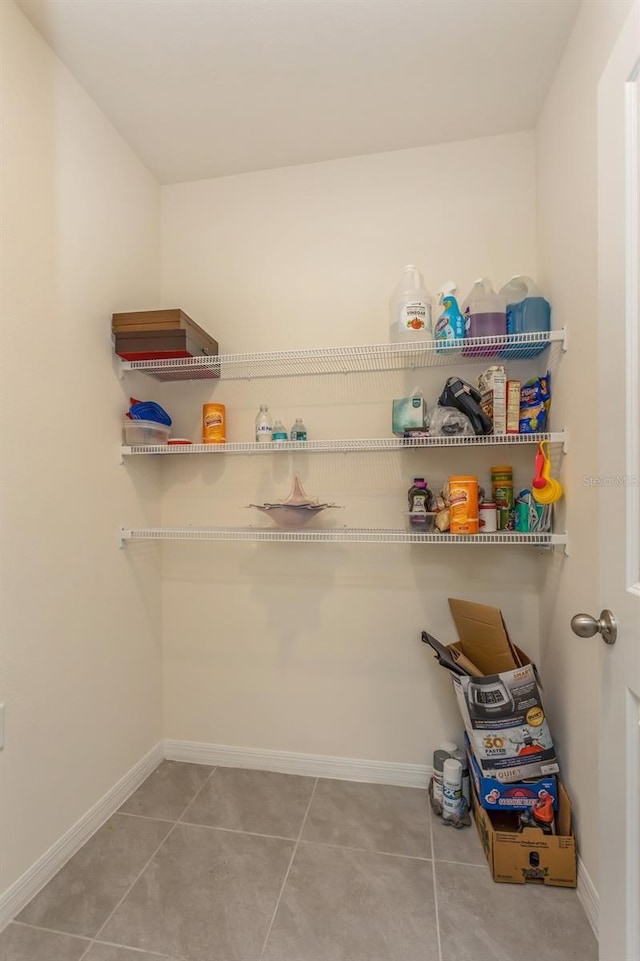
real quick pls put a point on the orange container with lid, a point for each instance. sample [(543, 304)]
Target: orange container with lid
[(213, 424), (463, 495)]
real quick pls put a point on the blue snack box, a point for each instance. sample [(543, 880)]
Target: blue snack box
[(495, 795)]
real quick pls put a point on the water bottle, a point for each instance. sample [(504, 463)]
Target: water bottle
[(527, 312), (410, 309), (298, 431), (279, 432), (264, 426)]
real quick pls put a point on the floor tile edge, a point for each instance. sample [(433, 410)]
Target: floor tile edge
[(18, 895)]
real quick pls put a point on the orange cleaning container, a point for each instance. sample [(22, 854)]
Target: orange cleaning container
[(463, 495), (213, 424)]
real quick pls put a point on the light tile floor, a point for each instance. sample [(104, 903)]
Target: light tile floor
[(221, 864)]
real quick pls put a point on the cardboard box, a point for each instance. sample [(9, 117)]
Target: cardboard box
[(495, 795), (160, 334), (492, 384), (501, 705), (513, 406), (530, 856), (162, 345), (408, 413)]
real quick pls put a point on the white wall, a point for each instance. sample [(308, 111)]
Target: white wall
[(80, 619), (316, 648), (566, 152)]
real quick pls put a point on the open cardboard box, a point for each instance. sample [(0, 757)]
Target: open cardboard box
[(531, 856), (499, 698)]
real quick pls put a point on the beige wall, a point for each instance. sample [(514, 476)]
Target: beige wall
[(80, 619), (316, 648), (566, 154)]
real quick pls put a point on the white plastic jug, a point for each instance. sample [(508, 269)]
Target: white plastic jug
[(485, 316), (410, 308), (527, 312)]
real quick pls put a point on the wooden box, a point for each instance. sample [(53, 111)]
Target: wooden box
[(160, 334)]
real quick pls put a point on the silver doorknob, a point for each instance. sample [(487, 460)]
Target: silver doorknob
[(584, 625)]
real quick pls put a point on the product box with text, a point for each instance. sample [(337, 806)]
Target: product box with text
[(499, 699), (495, 795)]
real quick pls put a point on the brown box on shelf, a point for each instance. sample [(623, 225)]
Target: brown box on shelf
[(162, 345), (516, 858), (144, 320), (158, 334)]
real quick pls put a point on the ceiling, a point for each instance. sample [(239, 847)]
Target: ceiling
[(205, 88)]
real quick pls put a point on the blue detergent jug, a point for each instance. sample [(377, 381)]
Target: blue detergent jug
[(527, 312)]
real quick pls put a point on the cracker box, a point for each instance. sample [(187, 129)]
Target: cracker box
[(492, 384)]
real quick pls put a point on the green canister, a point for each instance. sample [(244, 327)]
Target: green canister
[(502, 489)]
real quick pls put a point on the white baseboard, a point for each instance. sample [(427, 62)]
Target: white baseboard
[(588, 896), (290, 762), (16, 897)]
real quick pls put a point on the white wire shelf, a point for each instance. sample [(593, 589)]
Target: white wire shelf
[(343, 535), (348, 445), (345, 360)]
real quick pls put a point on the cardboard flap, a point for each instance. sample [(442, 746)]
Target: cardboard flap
[(483, 636), (563, 817), (462, 661)]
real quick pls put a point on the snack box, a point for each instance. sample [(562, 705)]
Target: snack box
[(495, 795), (513, 406), (530, 855), (492, 384)]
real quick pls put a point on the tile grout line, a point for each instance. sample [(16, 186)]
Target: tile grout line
[(127, 947), (39, 927), (286, 877), (197, 795), (142, 817), (147, 863), (134, 882), (435, 881), (384, 854)]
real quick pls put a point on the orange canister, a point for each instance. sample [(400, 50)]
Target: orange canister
[(463, 495), (213, 424)]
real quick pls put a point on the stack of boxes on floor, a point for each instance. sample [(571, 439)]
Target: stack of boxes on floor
[(521, 809)]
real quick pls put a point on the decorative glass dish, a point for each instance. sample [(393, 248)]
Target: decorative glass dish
[(296, 511)]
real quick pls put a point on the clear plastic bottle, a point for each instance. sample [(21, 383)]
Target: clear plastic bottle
[(279, 433), (298, 431), (264, 426), (410, 308)]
